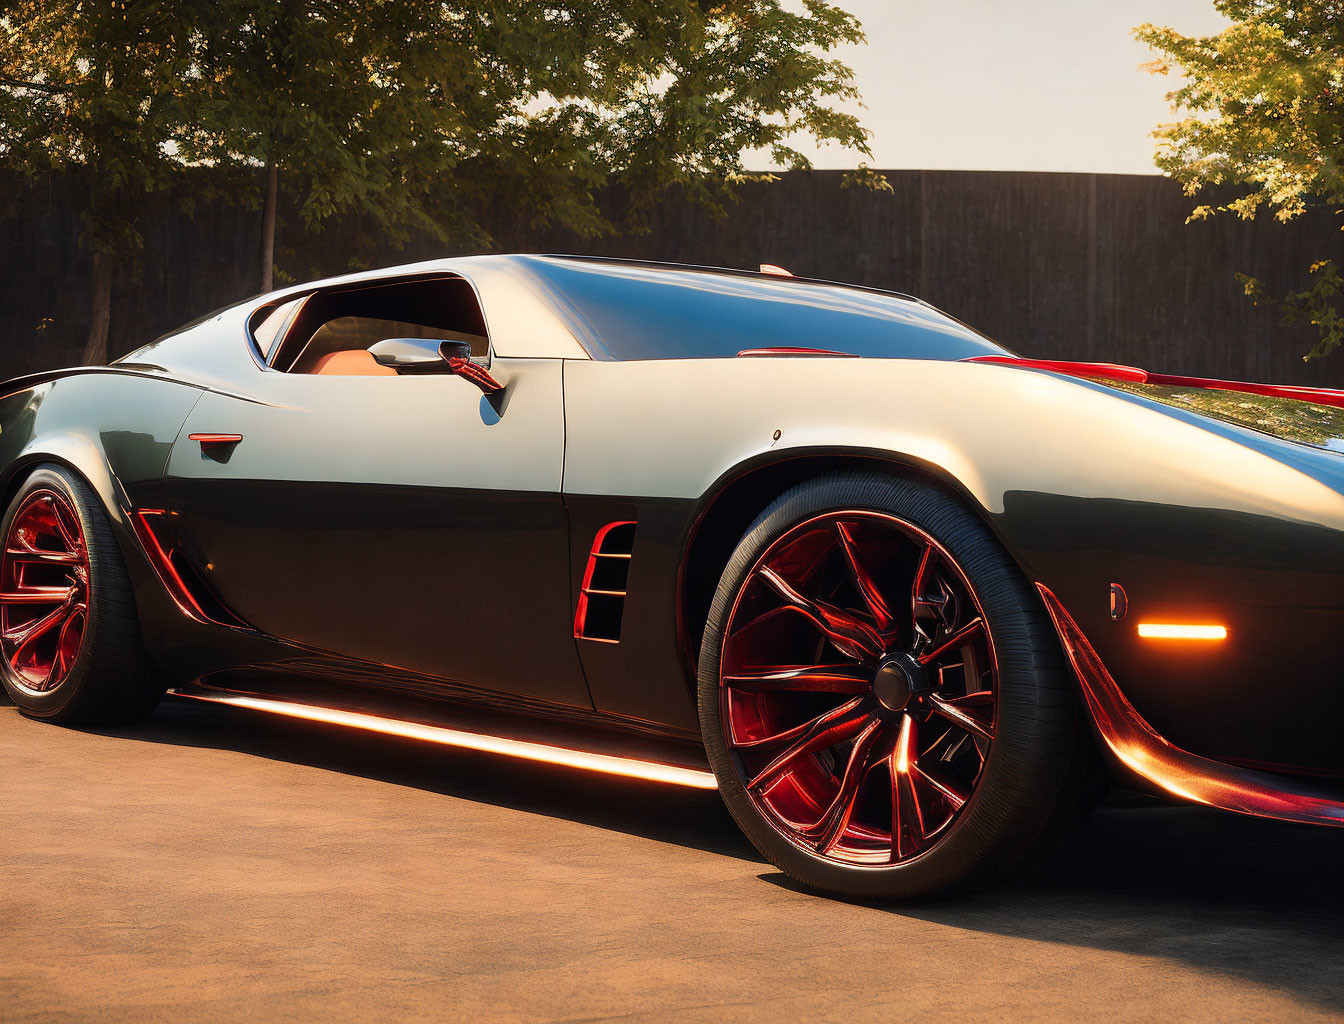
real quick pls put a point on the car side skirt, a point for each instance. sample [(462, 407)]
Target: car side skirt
[(674, 767)]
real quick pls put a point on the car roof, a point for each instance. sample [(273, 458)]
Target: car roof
[(674, 268)]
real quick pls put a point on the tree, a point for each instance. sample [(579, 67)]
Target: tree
[(94, 86), (421, 113), (1265, 112)]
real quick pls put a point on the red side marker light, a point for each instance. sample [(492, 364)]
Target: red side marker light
[(1181, 631), (215, 440)]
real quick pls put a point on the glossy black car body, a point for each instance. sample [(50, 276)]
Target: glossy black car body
[(348, 540)]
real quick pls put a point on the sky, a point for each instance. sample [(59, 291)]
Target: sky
[(1021, 85)]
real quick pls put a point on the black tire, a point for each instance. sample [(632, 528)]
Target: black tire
[(110, 680), (1029, 781)]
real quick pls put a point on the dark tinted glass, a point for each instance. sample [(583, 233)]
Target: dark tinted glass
[(1321, 426), (638, 312)]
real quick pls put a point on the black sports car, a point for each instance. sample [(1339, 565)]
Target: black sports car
[(900, 595)]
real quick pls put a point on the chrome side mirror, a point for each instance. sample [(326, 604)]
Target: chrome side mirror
[(412, 355)]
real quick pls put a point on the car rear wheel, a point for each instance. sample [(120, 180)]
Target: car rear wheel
[(70, 644), (882, 698)]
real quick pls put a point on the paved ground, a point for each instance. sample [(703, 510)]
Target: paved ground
[(217, 865)]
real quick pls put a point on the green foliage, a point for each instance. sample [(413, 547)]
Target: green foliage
[(1316, 305), (419, 114), (95, 85), (1264, 105)]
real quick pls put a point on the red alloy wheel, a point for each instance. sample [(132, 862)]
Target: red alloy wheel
[(44, 592), (857, 688)]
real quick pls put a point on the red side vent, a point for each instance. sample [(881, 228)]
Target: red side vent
[(184, 584), (602, 596)]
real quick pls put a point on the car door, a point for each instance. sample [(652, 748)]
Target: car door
[(406, 521)]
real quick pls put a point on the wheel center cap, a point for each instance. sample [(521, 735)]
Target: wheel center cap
[(892, 687)]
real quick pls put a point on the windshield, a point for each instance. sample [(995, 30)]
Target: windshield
[(1321, 426)]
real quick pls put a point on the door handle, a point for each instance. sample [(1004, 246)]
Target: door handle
[(210, 442)]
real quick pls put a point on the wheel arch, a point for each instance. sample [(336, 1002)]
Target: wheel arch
[(76, 454), (723, 513), (81, 457)]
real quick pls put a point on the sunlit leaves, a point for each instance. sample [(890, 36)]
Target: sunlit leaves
[(420, 114), (95, 85), (1264, 106)]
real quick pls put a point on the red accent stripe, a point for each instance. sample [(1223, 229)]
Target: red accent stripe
[(1183, 774), (581, 612), (475, 373), (1135, 375), (784, 350), (159, 558)]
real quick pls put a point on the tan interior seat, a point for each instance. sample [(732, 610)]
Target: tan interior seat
[(353, 362)]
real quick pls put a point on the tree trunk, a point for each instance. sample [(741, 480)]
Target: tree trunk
[(95, 349), (268, 226)]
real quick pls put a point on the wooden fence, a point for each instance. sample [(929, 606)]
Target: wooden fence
[(1077, 266)]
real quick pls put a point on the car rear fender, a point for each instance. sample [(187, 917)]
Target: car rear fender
[(114, 430)]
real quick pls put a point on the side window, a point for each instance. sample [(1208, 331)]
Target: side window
[(268, 332), (332, 330)]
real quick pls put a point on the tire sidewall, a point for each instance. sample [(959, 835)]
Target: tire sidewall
[(980, 842)]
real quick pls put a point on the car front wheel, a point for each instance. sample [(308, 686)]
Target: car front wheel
[(883, 701)]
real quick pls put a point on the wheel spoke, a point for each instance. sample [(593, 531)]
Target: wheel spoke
[(33, 555), (863, 580), (804, 678), (971, 631), (958, 710), (759, 620), (826, 731), (853, 637), (37, 595), (27, 634), (58, 663), (922, 574), (950, 754), (71, 543), (830, 827), (789, 735), (57, 667), (907, 817), (948, 793)]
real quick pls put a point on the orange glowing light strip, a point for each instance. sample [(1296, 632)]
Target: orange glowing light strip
[(1176, 631), (525, 749)]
